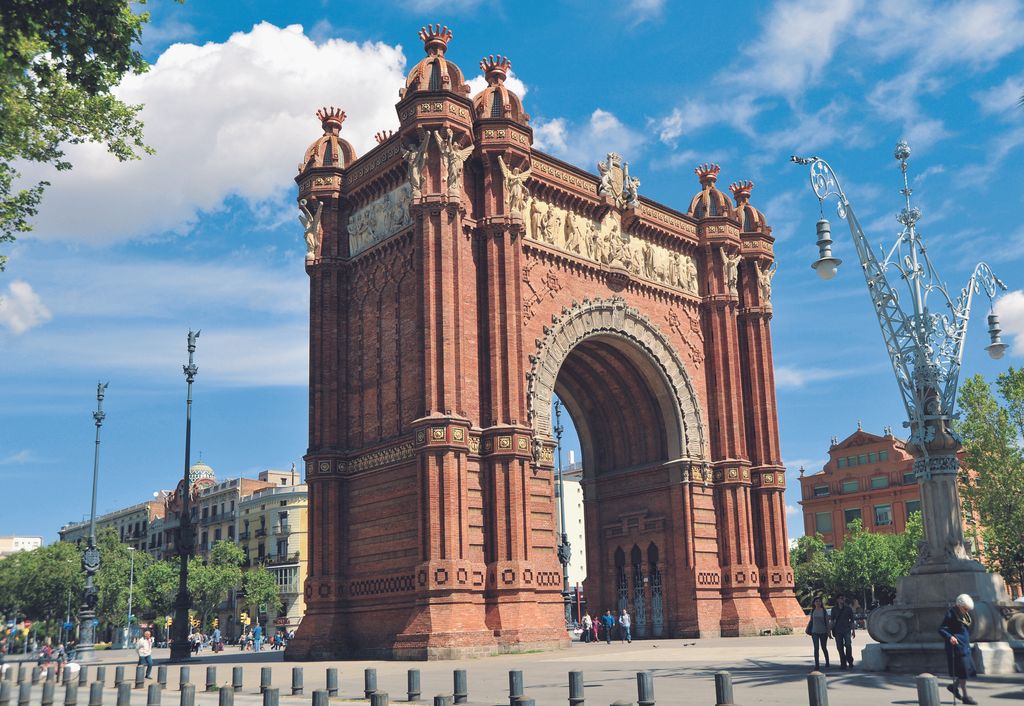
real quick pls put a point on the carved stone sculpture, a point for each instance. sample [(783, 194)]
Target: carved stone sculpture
[(648, 255), (573, 233), (453, 157), (764, 281), (311, 227), (730, 270), (516, 192), (414, 156)]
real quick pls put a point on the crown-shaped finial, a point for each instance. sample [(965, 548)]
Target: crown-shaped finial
[(495, 68), (383, 136), (331, 118), (708, 174), (741, 191), (435, 38)]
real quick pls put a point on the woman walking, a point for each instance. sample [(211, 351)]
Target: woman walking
[(817, 628), (956, 633)]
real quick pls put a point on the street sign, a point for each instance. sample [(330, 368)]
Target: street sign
[(69, 625), (95, 622)]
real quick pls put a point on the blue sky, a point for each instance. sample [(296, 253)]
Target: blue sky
[(204, 234)]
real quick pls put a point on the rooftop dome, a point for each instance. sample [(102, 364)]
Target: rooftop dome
[(496, 101), (329, 150), (435, 73), (710, 201), (751, 220), (199, 470)]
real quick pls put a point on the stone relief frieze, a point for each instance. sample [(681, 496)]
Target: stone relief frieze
[(605, 243), (379, 219)]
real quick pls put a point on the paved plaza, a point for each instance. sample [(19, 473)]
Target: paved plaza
[(765, 670)]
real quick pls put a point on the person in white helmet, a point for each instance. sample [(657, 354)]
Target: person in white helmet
[(956, 633)]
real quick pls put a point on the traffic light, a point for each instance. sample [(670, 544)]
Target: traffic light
[(216, 621), (244, 618)]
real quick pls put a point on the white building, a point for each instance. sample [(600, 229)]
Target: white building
[(572, 478), (13, 544)]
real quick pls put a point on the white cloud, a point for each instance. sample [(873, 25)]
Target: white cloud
[(587, 144), (1010, 308), (167, 31), (512, 83), (1003, 99), (18, 457), (792, 510), (227, 119), (695, 114), (21, 308), (636, 12)]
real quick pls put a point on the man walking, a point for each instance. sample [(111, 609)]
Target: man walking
[(843, 631), (625, 623), (608, 621), (144, 646), (257, 638)]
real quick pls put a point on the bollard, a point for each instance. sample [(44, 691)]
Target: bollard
[(211, 678), (264, 679), (68, 674), (817, 689), (124, 694), (575, 688), (271, 696), (379, 698), (5, 692), (153, 695), (515, 686), (83, 675), (460, 693), (24, 693), (622, 703), (723, 689), (321, 697), (442, 700), (644, 689), (161, 676), (118, 676), (369, 682), (35, 675), (413, 682), (525, 702), (332, 681), (296, 681), (226, 697), (927, 690), (236, 678), (183, 676), (70, 693), (51, 673), (21, 672), (47, 698), (96, 693), (188, 695), (140, 676), (101, 676)]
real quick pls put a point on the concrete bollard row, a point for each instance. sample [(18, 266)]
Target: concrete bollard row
[(118, 676), (101, 676), (70, 692), (226, 697), (124, 694), (817, 689), (575, 688), (369, 682), (140, 676), (67, 676), (83, 676), (515, 687), (723, 689), (321, 697), (297, 681), (442, 700), (47, 697), (161, 676), (927, 690), (153, 695), (211, 678), (24, 693), (264, 679), (96, 693), (461, 683), (413, 685), (645, 689), (188, 695), (5, 692), (184, 674), (35, 675), (379, 698), (271, 696), (236, 678), (332, 681)]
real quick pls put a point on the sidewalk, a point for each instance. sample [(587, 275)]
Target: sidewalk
[(765, 670)]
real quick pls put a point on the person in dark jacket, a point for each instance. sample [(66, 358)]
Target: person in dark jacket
[(843, 631), (956, 633)]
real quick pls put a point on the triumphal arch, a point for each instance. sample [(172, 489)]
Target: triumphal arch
[(459, 279)]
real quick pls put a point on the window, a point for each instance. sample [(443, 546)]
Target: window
[(851, 460), (850, 486), (206, 512), (909, 478), (213, 512), (282, 548), (913, 506), (823, 522), (841, 463), (873, 457), (231, 531), (850, 515), (203, 542), (883, 455), (880, 482), (232, 506), (883, 515), (820, 491), (862, 459), (216, 535)]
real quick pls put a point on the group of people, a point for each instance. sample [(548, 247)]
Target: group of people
[(605, 625), (200, 641), (841, 623)]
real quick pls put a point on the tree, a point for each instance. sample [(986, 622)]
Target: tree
[(812, 568), (210, 581), (260, 588), (37, 584), (159, 586), (59, 61), (993, 486), (115, 580)]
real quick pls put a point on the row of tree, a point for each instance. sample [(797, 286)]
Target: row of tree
[(45, 585)]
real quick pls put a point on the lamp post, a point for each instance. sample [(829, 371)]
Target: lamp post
[(926, 351), (564, 549), (180, 651), (131, 587), (91, 555)]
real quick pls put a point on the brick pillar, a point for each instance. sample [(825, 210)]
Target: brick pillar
[(742, 608)]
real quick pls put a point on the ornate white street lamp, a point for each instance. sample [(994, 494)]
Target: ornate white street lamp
[(926, 351)]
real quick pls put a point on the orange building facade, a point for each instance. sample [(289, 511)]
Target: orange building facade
[(867, 477), (459, 280)]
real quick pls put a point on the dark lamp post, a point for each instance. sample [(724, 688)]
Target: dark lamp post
[(91, 555), (564, 549)]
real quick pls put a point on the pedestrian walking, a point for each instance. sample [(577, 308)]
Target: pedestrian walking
[(608, 623), (843, 630), (588, 626), (956, 633), (216, 641), (625, 627), (144, 646), (257, 638), (817, 628)]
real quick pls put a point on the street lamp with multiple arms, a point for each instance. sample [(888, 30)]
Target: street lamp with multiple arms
[(925, 348), (91, 555), (564, 548)]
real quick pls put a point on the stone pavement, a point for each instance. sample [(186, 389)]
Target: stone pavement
[(765, 670)]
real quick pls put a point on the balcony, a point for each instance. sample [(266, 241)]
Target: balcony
[(291, 588), (284, 529), (243, 536), (279, 559), (262, 532)]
